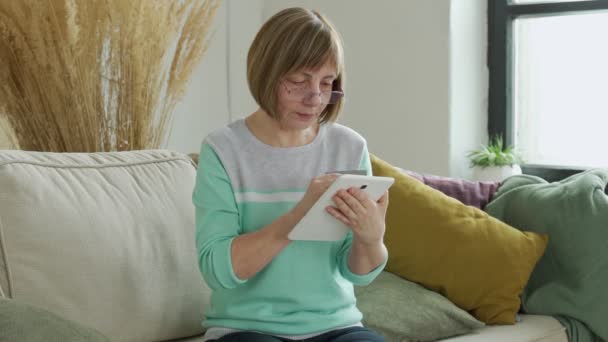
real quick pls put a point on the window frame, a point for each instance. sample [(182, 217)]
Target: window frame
[(501, 14)]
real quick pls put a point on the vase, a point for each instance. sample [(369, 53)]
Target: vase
[(495, 173)]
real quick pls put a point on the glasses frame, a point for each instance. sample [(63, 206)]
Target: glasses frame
[(306, 93)]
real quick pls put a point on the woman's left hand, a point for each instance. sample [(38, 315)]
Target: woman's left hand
[(365, 217)]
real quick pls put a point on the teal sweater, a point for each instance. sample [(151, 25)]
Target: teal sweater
[(243, 185)]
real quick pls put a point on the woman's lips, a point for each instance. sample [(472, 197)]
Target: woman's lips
[(305, 116)]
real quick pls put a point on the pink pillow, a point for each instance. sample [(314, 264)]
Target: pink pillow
[(476, 194)]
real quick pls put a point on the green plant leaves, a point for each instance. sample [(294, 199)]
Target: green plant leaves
[(494, 154)]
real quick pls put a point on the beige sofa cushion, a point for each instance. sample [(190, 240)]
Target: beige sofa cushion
[(534, 328), (105, 239)]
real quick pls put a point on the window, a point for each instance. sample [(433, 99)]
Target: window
[(549, 82)]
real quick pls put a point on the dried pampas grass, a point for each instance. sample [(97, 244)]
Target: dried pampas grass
[(102, 75)]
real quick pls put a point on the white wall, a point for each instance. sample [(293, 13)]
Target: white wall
[(468, 82), (245, 20), (205, 104), (397, 62), (416, 79), (218, 88)]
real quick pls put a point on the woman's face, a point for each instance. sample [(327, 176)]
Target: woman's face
[(303, 95)]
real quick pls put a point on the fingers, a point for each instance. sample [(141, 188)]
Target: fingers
[(350, 205), (361, 197), (356, 199), (344, 208), (337, 214)]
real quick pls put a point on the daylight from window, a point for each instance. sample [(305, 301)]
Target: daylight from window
[(560, 89)]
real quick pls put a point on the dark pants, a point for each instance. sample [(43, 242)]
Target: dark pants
[(352, 334)]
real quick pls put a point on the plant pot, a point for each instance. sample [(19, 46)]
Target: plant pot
[(495, 173)]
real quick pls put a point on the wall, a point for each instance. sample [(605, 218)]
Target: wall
[(218, 93), (468, 82), (417, 75), (397, 59), (416, 85), (205, 104)]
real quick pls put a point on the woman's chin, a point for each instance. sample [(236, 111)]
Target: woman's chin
[(303, 120), (297, 121)]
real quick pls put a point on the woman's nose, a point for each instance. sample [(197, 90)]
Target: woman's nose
[(313, 98), (314, 95)]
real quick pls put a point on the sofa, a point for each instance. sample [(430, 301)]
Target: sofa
[(101, 246)]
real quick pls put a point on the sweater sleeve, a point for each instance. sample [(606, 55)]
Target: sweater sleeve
[(357, 279), (365, 163), (217, 221)]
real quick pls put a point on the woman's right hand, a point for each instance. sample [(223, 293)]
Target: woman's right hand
[(247, 260), (316, 188)]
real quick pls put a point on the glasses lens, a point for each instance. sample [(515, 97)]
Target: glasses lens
[(303, 93)]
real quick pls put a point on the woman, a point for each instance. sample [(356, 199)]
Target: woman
[(259, 176)]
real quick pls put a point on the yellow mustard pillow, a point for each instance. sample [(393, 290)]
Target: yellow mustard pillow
[(478, 262)]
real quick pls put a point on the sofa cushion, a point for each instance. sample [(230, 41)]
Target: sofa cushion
[(570, 280), (402, 310), (476, 261), (104, 239), (22, 322), (196, 338), (473, 193), (533, 328)]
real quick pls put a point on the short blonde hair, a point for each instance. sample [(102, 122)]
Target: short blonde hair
[(292, 40)]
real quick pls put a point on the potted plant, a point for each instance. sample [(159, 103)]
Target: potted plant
[(495, 161)]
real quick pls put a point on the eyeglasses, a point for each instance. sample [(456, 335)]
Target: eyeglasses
[(304, 92)]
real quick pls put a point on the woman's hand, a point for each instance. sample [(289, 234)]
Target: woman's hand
[(365, 217), (316, 188)]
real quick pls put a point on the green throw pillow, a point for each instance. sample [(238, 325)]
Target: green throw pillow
[(570, 279), (23, 322), (405, 311)]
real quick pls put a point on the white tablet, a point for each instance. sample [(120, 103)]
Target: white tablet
[(319, 225)]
